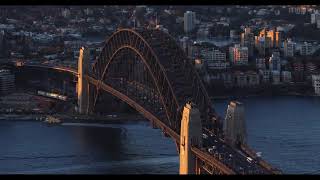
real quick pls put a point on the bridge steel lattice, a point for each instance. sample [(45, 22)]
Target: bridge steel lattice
[(149, 64)]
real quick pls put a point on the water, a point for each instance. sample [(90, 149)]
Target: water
[(285, 129)]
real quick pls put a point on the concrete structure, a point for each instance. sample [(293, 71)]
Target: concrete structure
[(234, 124), (189, 21), (241, 79), (83, 85), (314, 17), (190, 135), (318, 23), (289, 48), (7, 81), (275, 77), (238, 55), (265, 76), (253, 79), (286, 76), (272, 37), (260, 63), (306, 49), (316, 84), (275, 62), (247, 40), (214, 58)]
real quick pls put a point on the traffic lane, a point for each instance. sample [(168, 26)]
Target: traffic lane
[(237, 161)]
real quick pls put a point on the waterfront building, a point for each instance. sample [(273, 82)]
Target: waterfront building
[(316, 84), (227, 79), (253, 78), (298, 71), (241, 79), (234, 124), (286, 76), (7, 81), (265, 76), (275, 77), (189, 21)]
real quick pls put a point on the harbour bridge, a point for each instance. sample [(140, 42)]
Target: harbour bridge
[(146, 69)]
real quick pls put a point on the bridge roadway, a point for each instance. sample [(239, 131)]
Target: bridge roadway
[(228, 159)]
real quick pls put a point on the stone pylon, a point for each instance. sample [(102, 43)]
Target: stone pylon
[(83, 84), (190, 135)]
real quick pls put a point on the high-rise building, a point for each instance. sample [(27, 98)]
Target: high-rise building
[(275, 62), (214, 58), (286, 76), (6, 81), (238, 55), (265, 76), (234, 124), (316, 84), (189, 21), (253, 78), (306, 49), (314, 17), (289, 48), (261, 43), (240, 79), (247, 40), (275, 77), (260, 63), (267, 39)]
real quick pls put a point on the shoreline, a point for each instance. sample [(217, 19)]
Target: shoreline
[(72, 119), (261, 95)]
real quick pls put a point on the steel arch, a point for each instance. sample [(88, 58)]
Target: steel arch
[(174, 91)]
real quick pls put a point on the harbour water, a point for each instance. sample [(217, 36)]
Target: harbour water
[(286, 130)]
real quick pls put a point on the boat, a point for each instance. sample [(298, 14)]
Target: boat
[(52, 120)]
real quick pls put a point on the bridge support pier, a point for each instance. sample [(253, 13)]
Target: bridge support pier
[(190, 135), (83, 84)]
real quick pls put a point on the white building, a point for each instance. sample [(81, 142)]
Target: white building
[(215, 58), (318, 23), (306, 49), (316, 84), (289, 48), (238, 55), (286, 76), (189, 21), (65, 13), (234, 126), (314, 17), (275, 77)]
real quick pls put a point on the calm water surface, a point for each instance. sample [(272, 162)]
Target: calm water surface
[(285, 129)]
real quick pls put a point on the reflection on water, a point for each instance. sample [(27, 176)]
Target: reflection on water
[(285, 129)]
